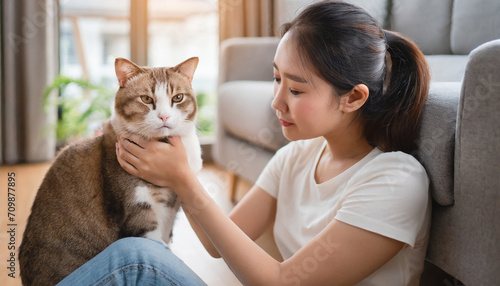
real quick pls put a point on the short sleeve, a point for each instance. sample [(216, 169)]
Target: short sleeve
[(269, 179), (388, 196)]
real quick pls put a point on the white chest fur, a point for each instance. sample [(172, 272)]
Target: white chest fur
[(165, 215), (156, 197)]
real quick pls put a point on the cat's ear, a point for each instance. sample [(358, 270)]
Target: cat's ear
[(188, 67), (126, 70)]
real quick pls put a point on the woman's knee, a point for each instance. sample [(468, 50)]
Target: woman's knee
[(137, 247), (154, 255)]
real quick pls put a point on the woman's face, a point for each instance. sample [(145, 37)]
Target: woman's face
[(305, 103)]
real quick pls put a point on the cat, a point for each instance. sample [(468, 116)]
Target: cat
[(87, 201)]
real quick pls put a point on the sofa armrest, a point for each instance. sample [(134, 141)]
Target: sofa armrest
[(436, 142), (464, 237), (477, 164), (247, 59)]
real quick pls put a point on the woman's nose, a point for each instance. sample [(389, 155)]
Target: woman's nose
[(278, 103)]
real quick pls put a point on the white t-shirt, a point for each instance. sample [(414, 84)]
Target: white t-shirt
[(385, 193)]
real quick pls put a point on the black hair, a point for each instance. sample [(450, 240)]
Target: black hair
[(345, 46)]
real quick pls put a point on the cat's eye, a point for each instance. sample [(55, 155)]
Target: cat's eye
[(146, 99), (178, 98)]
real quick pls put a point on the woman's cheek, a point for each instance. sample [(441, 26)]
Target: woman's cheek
[(305, 113)]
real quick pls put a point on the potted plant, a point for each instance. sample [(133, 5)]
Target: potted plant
[(82, 107)]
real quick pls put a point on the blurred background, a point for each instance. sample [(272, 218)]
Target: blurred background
[(154, 33), (57, 76)]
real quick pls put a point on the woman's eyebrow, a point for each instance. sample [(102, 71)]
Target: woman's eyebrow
[(291, 76)]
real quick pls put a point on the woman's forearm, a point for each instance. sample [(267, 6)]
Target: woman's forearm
[(251, 264), (209, 247)]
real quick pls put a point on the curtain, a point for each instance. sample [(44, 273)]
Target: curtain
[(245, 18), (29, 62)]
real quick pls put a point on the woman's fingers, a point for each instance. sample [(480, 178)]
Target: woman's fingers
[(126, 160), (136, 139), (148, 160), (175, 141), (131, 146)]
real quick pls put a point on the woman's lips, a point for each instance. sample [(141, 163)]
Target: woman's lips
[(285, 123)]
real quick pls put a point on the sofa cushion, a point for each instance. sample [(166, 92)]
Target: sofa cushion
[(245, 112), (286, 10), (378, 9), (447, 67), (436, 143), (241, 157), (427, 22), (248, 58), (474, 22)]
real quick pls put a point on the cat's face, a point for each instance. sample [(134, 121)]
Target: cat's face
[(155, 102)]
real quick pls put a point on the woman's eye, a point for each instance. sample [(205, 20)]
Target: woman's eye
[(295, 92), (178, 98), (276, 79), (146, 99)]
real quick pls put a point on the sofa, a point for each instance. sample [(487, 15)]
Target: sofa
[(459, 143)]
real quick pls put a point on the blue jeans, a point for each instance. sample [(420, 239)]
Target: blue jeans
[(134, 261)]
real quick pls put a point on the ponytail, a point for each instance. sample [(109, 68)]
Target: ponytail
[(345, 46), (393, 123)]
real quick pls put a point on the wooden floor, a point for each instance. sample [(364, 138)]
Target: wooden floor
[(185, 243)]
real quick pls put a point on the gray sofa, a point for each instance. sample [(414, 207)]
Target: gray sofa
[(459, 143)]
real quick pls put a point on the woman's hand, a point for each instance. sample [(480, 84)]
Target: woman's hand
[(161, 164)]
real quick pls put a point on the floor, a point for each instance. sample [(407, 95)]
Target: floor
[(185, 243)]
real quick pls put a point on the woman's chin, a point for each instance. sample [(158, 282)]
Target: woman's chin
[(291, 136), (294, 135)]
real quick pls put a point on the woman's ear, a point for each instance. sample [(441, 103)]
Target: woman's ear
[(355, 98)]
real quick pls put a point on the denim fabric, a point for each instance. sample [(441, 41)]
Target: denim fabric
[(134, 261)]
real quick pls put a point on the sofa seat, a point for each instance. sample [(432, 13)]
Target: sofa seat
[(447, 68)]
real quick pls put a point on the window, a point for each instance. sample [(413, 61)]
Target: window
[(94, 32), (180, 29)]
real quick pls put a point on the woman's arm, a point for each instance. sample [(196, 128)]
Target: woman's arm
[(254, 214), (340, 255)]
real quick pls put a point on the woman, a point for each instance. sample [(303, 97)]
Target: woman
[(349, 206)]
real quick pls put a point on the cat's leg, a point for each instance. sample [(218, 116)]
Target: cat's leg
[(166, 204), (193, 150), (159, 206), (171, 208), (140, 217), (156, 235)]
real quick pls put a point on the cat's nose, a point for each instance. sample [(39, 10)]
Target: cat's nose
[(164, 118)]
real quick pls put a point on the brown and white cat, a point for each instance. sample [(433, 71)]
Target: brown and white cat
[(87, 201)]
